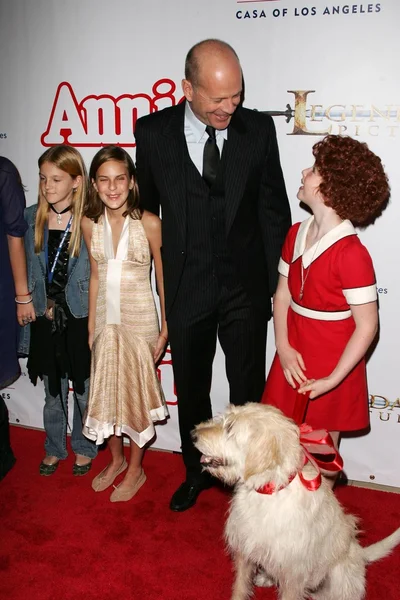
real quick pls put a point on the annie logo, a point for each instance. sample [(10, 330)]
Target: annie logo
[(166, 378), (102, 120)]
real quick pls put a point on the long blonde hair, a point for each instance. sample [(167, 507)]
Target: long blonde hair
[(67, 159)]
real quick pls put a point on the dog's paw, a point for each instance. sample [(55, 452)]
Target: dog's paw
[(261, 579)]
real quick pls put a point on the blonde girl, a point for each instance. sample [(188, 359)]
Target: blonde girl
[(58, 280)]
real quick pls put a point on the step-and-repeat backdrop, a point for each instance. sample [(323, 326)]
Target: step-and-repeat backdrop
[(83, 71)]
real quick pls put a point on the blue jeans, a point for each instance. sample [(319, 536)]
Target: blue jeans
[(55, 422)]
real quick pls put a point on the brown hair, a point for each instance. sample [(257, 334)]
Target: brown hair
[(94, 207), (354, 182), (68, 159)]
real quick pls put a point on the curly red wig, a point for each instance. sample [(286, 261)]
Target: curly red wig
[(353, 183)]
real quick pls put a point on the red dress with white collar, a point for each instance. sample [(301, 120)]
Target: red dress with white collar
[(336, 273)]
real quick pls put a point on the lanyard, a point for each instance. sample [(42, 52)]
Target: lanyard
[(50, 272)]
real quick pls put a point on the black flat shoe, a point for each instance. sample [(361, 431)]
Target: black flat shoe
[(186, 495), (47, 470), (81, 469)]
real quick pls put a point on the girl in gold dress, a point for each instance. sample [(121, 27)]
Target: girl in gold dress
[(125, 394)]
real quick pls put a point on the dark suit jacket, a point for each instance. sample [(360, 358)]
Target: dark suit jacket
[(257, 209)]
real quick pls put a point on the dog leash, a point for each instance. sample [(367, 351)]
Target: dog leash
[(300, 407)]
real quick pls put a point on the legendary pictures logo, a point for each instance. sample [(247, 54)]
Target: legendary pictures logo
[(105, 119), (342, 119)]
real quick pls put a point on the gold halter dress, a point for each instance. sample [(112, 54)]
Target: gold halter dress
[(125, 395)]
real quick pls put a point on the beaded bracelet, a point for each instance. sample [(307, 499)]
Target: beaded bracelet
[(24, 302)]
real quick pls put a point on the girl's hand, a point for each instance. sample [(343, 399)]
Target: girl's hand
[(292, 365), (317, 387), (25, 313), (90, 340), (160, 346)]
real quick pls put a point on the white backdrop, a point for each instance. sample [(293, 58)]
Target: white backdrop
[(83, 71)]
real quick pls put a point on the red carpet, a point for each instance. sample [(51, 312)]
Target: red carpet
[(59, 540)]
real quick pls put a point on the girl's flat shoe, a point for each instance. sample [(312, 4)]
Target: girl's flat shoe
[(101, 482), (47, 470), (81, 469), (125, 495)]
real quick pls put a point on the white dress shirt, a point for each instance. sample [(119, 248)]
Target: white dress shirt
[(196, 137)]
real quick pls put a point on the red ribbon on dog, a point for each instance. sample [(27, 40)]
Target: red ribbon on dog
[(313, 441), (318, 441)]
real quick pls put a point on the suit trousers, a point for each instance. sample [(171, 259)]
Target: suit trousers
[(195, 322)]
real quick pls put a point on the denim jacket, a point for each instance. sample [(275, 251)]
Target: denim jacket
[(76, 290)]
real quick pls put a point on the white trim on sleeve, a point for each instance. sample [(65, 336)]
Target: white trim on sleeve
[(361, 295), (283, 267)]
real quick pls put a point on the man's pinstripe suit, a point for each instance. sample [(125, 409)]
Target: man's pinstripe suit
[(220, 249)]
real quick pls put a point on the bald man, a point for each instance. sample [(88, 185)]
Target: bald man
[(213, 167)]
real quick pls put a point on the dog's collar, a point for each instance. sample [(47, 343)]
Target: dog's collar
[(270, 487)]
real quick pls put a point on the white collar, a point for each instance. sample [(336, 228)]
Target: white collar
[(344, 229), (197, 127)]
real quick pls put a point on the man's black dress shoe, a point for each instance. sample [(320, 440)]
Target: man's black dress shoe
[(186, 495)]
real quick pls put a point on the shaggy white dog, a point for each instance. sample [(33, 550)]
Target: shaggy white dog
[(298, 539)]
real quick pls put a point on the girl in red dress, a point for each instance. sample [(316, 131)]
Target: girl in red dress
[(325, 307)]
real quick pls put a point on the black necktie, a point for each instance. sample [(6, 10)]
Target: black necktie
[(210, 157)]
